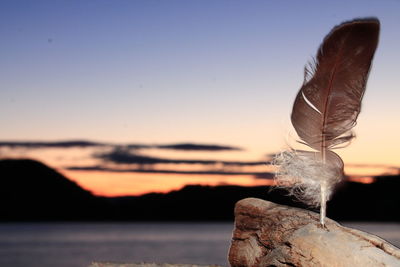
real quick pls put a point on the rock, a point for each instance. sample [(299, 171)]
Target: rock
[(268, 234)]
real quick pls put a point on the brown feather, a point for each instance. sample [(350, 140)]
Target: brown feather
[(326, 109), (337, 85)]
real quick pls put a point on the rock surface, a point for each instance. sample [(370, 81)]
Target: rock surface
[(268, 234)]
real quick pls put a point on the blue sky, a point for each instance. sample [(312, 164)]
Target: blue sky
[(222, 72)]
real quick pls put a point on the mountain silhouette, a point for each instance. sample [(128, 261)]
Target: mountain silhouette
[(32, 191)]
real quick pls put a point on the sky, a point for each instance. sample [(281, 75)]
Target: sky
[(169, 72)]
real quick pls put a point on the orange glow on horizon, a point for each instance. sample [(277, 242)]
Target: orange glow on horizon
[(111, 184), (132, 184), (363, 180), (369, 170), (125, 183)]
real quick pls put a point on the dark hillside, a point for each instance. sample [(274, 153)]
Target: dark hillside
[(32, 191)]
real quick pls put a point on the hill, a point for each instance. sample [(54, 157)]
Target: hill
[(30, 190)]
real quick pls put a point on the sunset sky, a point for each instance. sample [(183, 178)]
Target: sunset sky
[(156, 73)]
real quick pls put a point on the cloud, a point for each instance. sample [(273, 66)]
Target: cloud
[(264, 175), (62, 144), (83, 143), (124, 156), (198, 147), (140, 170)]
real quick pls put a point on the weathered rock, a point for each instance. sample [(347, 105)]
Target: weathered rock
[(268, 234)]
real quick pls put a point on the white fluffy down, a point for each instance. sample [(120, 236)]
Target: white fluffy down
[(303, 174)]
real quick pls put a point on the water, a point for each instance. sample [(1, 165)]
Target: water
[(388, 231), (78, 244)]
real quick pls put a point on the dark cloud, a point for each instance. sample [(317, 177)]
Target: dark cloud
[(264, 175), (198, 147), (62, 144), (134, 146), (140, 170), (82, 143), (125, 156)]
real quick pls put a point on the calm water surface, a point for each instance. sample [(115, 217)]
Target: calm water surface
[(78, 244)]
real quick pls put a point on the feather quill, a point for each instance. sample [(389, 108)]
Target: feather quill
[(326, 109)]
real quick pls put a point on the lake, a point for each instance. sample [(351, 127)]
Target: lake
[(78, 244)]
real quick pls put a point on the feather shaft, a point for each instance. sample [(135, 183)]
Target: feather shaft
[(323, 204)]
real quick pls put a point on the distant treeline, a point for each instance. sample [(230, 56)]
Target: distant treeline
[(31, 191)]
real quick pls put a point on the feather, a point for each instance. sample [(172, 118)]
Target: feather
[(326, 109)]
